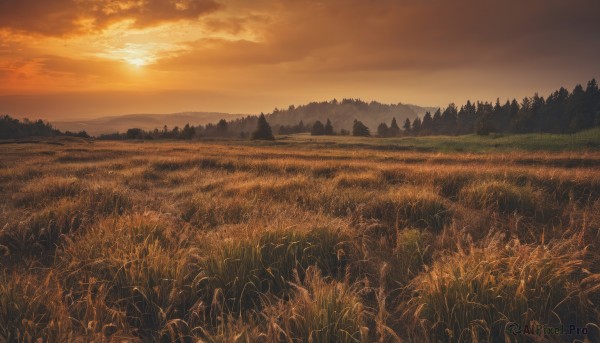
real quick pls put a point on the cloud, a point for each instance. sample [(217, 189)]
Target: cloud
[(422, 51), (63, 17), (360, 35)]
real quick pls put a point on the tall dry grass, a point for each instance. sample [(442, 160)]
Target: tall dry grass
[(220, 242)]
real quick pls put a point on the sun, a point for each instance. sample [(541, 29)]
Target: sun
[(137, 61)]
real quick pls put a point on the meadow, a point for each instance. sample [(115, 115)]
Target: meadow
[(300, 240)]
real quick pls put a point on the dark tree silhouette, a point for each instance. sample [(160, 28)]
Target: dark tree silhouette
[(484, 125), (222, 126), (561, 112), (318, 129), (135, 133), (394, 129), (359, 129), (407, 126), (436, 124), (383, 130), (188, 132), (329, 128), (426, 125), (11, 128), (416, 126), (263, 130)]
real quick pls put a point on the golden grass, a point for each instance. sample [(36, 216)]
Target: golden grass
[(473, 295), (218, 242)]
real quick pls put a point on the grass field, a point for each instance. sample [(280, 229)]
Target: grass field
[(581, 141), (306, 239)]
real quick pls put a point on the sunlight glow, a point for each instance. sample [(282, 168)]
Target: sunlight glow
[(137, 61)]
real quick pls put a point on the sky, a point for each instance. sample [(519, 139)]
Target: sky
[(74, 59)]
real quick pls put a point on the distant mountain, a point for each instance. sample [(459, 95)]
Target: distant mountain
[(147, 122)]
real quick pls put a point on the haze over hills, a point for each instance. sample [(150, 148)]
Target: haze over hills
[(111, 124), (342, 115)]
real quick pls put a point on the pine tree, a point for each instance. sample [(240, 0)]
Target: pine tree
[(416, 126), (406, 126), (383, 130), (359, 129), (222, 126), (188, 132), (394, 129), (436, 125), (318, 129), (426, 127), (328, 128), (448, 120), (263, 130)]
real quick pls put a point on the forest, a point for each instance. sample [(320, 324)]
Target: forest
[(11, 128), (561, 112)]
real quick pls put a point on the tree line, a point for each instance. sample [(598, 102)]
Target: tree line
[(561, 112), (12, 128)]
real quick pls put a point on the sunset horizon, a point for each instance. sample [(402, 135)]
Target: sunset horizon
[(71, 59), (272, 171)]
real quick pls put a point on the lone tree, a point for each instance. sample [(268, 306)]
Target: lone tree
[(394, 129), (328, 128), (318, 129), (263, 130), (359, 129)]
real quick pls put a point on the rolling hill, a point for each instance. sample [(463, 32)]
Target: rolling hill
[(121, 123)]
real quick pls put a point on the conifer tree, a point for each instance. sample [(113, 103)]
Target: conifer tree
[(318, 129), (394, 129), (416, 126), (328, 128), (359, 129), (407, 126), (383, 130), (263, 130)]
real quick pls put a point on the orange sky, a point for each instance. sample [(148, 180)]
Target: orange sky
[(88, 58)]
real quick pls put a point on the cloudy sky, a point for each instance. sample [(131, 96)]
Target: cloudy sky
[(88, 58)]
